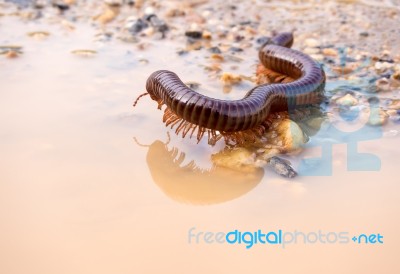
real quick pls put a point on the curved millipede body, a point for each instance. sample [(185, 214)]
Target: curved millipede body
[(241, 119)]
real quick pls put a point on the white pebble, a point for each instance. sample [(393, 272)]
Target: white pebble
[(311, 42)]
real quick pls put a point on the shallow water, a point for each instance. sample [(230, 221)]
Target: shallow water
[(79, 195)]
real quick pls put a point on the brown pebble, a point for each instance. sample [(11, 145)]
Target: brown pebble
[(396, 76), (343, 70), (217, 57), (12, 54), (207, 35), (330, 52), (231, 79)]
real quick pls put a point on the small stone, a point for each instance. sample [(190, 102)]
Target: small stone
[(396, 76), (39, 4), (136, 26), (392, 112), (282, 167), (364, 34), (383, 66), (12, 54), (215, 67), (235, 49), (38, 34), (113, 3), (175, 12), (376, 116), (311, 50), (61, 6), (217, 57), (262, 40), (84, 52), (343, 70), (311, 42), (329, 52), (230, 79), (108, 15), (181, 52), (215, 50), (286, 135), (382, 84), (394, 104), (194, 34), (207, 35), (240, 159), (10, 48), (149, 11), (158, 24), (143, 61), (148, 31), (317, 57), (315, 122), (347, 101)]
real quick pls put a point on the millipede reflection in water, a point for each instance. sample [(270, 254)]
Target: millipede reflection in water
[(191, 184)]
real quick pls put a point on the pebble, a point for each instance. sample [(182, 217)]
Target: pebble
[(311, 42), (108, 15), (347, 101), (396, 76), (38, 34), (286, 135), (382, 84), (84, 52), (235, 49), (149, 11), (114, 3), (329, 52), (175, 12), (5, 49), (12, 54), (394, 104), (311, 50), (315, 122), (136, 26), (195, 34), (376, 116), (317, 57), (207, 35), (181, 52), (230, 79), (383, 66), (61, 6), (240, 159), (282, 167), (262, 40), (343, 70), (217, 57), (216, 50), (158, 24)]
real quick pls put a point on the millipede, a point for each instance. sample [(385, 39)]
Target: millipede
[(244, 119)]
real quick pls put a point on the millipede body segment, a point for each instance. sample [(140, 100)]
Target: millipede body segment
[(242, 119)]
